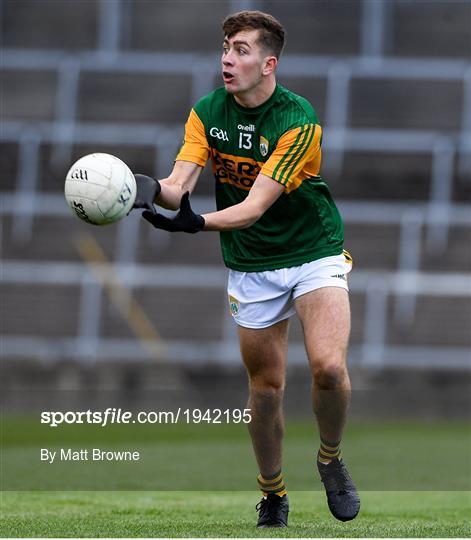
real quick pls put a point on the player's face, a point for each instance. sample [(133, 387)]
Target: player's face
[(242, 62)]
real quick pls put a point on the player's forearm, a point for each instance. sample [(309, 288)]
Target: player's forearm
[(170, 195), (182, 179), (239, 216)]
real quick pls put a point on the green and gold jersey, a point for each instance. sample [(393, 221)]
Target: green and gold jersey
[(281, 139)]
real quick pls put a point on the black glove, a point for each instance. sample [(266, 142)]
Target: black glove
[(186, 220), (147, 190)]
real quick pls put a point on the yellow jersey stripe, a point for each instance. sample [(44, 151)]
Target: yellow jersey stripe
[(300, 131), (301, 153)]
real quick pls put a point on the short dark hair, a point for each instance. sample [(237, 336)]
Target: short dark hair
[(272, 33)]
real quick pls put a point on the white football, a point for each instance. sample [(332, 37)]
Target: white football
[(100, 189)]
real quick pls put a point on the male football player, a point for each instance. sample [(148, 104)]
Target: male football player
[(282, 240)]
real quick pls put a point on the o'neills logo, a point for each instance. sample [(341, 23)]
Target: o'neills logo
[(250, 127), (263, 146)]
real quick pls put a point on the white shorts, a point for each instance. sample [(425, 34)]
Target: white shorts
[(261, 299)]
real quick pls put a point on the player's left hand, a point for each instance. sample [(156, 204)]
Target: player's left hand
[(185, 221), (147, 190)]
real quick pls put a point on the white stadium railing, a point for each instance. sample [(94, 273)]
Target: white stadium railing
[(89, 345), (404, 285)]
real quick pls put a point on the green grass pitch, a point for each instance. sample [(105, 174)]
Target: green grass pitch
[(419, 493), (203, 514)]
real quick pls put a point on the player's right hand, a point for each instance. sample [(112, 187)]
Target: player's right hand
[(147, 190), (185, 221)]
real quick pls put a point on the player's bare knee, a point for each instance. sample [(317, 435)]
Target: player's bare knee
[(265, 389), (266, 379), (329, 375)]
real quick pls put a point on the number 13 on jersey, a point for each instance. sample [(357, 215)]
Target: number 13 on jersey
[(245, 140)]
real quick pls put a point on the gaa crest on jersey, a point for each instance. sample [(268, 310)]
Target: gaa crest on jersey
[(263, 146), (233, 305)]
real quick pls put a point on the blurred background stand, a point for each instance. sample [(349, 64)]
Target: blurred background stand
[(391, 83)]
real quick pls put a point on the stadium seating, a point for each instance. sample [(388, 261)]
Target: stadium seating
[(136, 98), (17, 89), (458, 254), (131, 100), (175, 26), (311, 25), (382, 175), (431, 326), (202, 309), (406, 104), (66, 26), (52, 314), (9, 157), (44, 243), (444, 29)]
